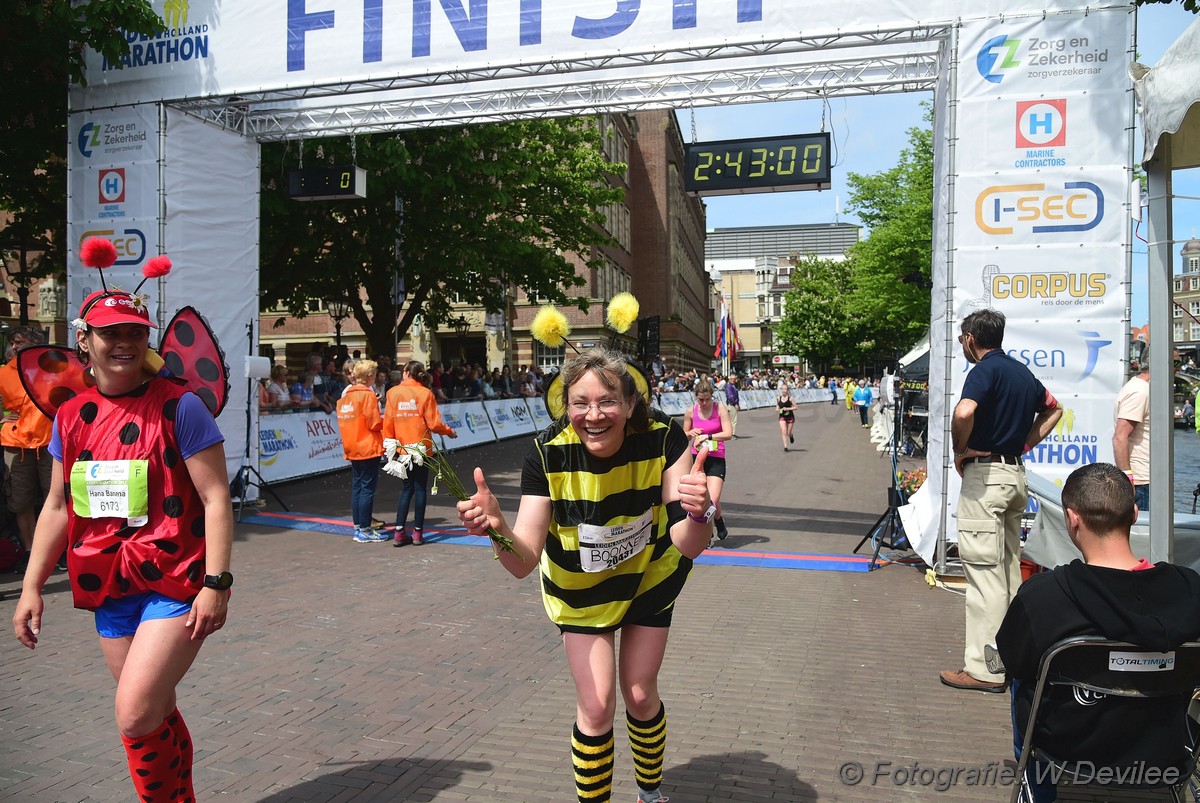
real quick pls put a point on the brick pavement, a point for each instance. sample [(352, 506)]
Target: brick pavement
[(363, 673)]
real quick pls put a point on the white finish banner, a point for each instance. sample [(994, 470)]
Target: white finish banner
[(509, 417), (470, 423), (216, 47), (294, 445), (541, 416)]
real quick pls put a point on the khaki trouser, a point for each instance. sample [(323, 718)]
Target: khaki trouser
[(732, 418), (990, 505)]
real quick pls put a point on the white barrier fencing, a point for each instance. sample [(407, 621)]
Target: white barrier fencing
[(303, 444)]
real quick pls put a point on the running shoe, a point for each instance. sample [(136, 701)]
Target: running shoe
[(369, 536), (417, 538), (402, 538)]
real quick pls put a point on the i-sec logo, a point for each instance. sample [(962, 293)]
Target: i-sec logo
[(1042, 123), (112, 185), (130, 244), (997, 56), (1039, 209)]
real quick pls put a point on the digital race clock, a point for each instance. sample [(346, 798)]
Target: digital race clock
[(742, 166), (327, 183)]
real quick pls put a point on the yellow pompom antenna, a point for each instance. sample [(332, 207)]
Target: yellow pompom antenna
[(550, 327), (622, 312)]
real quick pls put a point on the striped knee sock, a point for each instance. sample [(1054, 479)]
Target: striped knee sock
[(648, 742), (592, 758)]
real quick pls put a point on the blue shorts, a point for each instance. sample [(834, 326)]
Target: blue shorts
[(117, 618)]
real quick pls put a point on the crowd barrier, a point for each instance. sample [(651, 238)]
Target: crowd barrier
[(304, 443)]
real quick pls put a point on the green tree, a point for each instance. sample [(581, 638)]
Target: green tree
[(1190, 5), (892, 265), (485, 207), (42, 46), (817, 323)]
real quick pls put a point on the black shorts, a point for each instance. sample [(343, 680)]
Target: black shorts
[(715, 466), (660, 619)]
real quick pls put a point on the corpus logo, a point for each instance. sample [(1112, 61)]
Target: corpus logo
[(996, 57), (1094, 343), (89, 138), (1039, 209)]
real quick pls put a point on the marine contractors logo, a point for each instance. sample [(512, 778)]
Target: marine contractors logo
[(1037, 208), (1041, 127)]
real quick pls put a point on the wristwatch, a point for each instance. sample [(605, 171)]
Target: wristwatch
[(220, 582), (707, 517)]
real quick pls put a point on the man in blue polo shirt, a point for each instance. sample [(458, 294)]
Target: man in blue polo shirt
[(1004, 411)]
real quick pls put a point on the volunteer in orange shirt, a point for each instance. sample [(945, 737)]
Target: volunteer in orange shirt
[(360, 426), (410, 415), (24, 434)]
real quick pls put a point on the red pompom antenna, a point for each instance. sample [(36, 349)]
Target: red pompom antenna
[(97, 252), (157, 266)]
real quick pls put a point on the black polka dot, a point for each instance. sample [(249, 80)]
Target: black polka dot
[(61, 395), (125, 532), (184, 333), (169, 409), (89, 582), (207, 370), (209, 398), (85, 454), (88, 412), (129, 433), (111, 549), (137, 746), (173, 506), (77, 545), (170, 457), (195, 571), (53, 362), (166, 734), (149, 757), (141, 772), (174, 363), (166, 545), (198, 526), (122, 583), (150, 571)]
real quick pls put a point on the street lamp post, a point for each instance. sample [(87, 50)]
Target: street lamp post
[(339, 311), (461, 327)]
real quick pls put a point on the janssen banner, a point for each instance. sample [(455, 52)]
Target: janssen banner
[(220, 47)]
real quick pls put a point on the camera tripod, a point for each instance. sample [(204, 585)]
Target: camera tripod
[(247, 476), (888, 530)]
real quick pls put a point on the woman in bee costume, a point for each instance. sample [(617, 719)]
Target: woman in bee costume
[(614, 509)]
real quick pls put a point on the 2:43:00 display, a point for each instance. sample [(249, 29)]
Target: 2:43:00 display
[(758, 165)]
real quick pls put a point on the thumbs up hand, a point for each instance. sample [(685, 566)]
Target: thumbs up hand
[(482, 510), (693, 486)]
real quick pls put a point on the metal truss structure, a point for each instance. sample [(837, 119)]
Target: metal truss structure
[(863, 63)]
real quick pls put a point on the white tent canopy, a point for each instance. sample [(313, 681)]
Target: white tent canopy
[(1170, 100)]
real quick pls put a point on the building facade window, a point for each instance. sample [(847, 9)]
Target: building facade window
[(547, 358), (1178, 331)]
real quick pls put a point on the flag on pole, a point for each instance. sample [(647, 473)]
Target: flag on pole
[(722, 335), (735, 342)]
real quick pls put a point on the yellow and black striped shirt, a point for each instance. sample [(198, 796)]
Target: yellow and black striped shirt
[(584, 489)]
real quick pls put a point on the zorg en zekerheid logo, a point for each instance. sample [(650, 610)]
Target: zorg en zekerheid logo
[(1039, 208)]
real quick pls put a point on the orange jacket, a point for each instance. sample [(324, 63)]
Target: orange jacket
[(410, 414), (360, 424), (32, 429)]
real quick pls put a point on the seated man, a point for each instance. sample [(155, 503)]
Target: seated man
[(1113, 594)]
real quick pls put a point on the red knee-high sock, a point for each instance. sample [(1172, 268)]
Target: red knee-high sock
[(154, 761), (184, 739)]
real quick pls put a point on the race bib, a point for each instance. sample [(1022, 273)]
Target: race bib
[(102, 489), (605, 547)]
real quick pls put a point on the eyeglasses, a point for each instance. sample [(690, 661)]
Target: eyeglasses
[(605, 406), (964, 334)]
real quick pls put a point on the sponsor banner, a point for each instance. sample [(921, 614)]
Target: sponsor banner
[(541, 416), (1037, 282), (211, 48), (1036, 57), (1073, 207), (136, 240), (676, 403), (510, 417), (293, 445), (1023, 136), (115, 193), (106, 137), (470, 423)]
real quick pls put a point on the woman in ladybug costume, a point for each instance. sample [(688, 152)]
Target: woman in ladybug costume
[(142, 507)]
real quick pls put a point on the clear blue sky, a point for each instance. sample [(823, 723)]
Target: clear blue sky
[(870, 132)]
